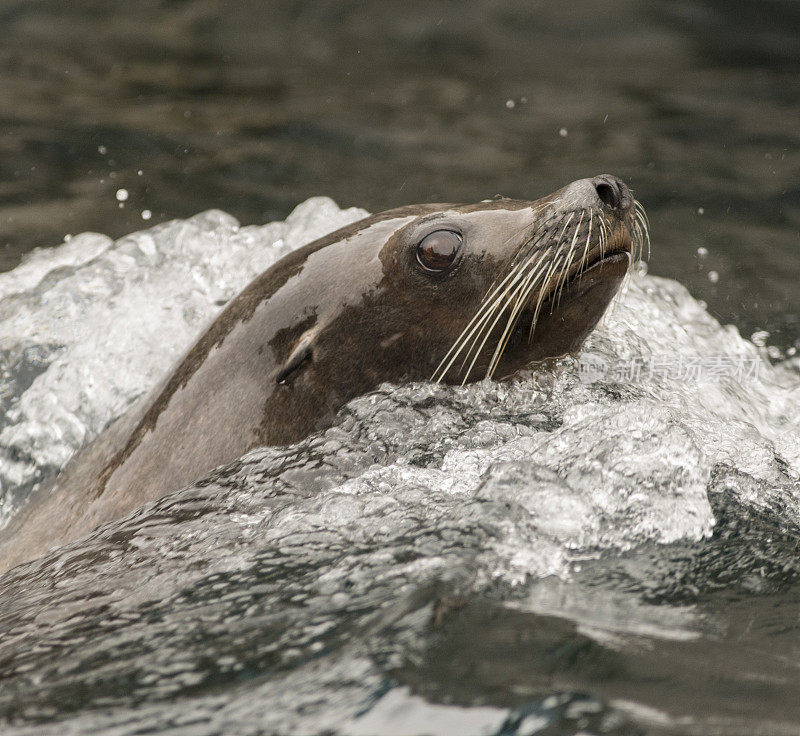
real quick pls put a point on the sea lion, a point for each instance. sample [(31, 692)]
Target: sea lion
[(449, 292)]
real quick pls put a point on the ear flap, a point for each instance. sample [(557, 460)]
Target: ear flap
[(298, 356)]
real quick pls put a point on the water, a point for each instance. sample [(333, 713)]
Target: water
[(608, 545)]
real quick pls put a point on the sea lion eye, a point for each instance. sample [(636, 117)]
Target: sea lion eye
[(437, 251)]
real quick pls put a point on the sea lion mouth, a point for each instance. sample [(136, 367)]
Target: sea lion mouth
[(593, 268), (561, 322)]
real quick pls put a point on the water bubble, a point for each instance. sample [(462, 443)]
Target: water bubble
[(713, 277), (102, 150), (563, 132), (510, 104), (122, 195), (702, 252), (146, 214)]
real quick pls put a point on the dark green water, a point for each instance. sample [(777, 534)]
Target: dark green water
[(252, 107)]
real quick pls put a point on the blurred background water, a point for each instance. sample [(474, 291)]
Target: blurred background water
[(252, 107)]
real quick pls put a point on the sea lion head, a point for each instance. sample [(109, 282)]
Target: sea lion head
[(453, 293), (482, 290)]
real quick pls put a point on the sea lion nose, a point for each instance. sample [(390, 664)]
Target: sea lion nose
[(613, 193)]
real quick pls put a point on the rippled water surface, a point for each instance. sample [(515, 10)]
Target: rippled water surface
[(576, 550)]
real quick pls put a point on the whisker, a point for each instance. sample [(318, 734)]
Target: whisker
[(522, 295), (585, 256), (471, 326), (604, 236), (518, 300), (485, 311), (641, 214), (558, 249), (568, 264), (541, 297), (513, 297), (487, 329)]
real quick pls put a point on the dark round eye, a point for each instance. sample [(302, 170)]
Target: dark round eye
[(437, 251)]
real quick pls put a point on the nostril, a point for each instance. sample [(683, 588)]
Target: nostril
[(607, 195), (613, 193)]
